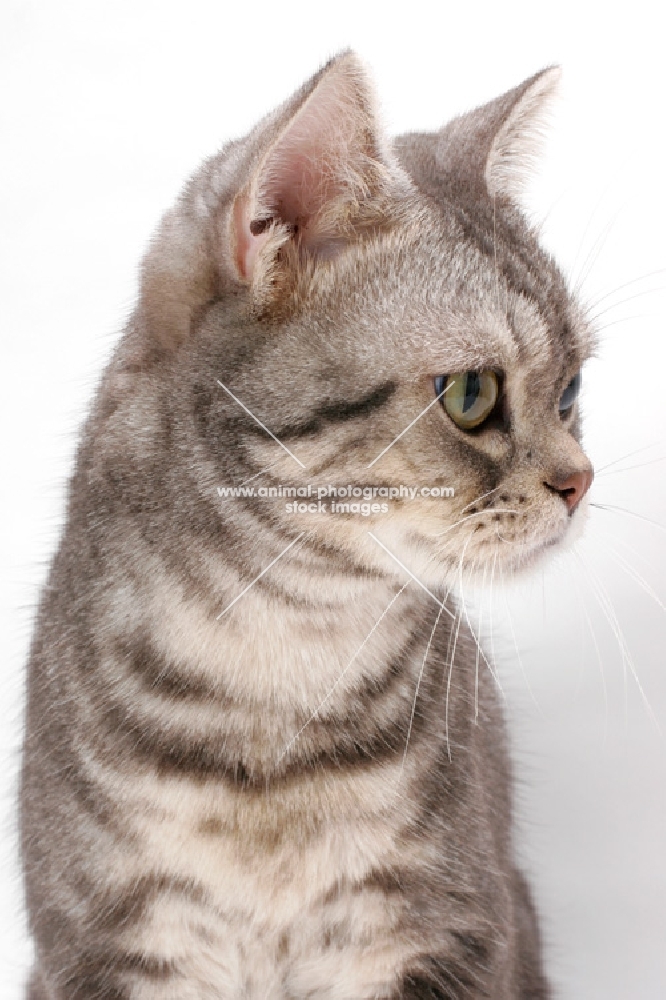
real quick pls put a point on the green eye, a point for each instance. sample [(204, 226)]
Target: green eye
[(468, 397), (570, 394)]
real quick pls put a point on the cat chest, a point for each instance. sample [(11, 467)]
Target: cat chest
[(260, 909)]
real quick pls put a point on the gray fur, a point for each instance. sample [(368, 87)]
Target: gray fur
[(221, 808)]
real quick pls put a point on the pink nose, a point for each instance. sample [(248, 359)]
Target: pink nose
[(573, 488)]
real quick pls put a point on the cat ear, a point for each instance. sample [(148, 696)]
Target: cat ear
[(317, 180), (498, 143), (517, 143)]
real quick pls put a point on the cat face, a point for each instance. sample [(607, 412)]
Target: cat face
[(393, 323)]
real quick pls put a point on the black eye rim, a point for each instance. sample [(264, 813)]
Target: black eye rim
[(570, 395), (498, 416)]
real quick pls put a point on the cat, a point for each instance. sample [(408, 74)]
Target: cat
[(265, 755)]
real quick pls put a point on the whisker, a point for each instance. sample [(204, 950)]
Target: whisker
[(595, 251), (448, 682), (479, 499), (636, 576), (594, 317), (493, 655), (639, 465), (623, 319), (629, 454), (614, 508), (604, 685), (540, 226), (628, 284), (416, 692), (606, 605), (515, 645), (588, 226), (453, 646), (478, 513), (478, 648), (477, 641)]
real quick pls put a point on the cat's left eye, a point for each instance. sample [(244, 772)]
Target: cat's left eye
[(468, 397), (570, 395)]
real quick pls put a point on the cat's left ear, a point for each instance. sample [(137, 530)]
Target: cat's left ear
[(497, 144)]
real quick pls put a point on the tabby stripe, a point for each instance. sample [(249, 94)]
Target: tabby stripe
[(164, 678), (337, 413), (368, 729), (493, 237), (91, 797), (447, 978), (104, 975), (179, 753), (119, 909)]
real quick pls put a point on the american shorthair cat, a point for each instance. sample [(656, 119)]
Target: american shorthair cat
[(265, 757)]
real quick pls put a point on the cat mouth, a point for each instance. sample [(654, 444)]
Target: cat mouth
[(516, 548)]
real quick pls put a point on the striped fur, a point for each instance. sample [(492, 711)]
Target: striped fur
[(307, 795)]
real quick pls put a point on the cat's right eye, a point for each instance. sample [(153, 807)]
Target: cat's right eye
[(468, 397)]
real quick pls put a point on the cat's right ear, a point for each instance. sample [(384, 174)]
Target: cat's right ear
[(322, 177)]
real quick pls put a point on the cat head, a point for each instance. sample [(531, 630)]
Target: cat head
[(342, 310)]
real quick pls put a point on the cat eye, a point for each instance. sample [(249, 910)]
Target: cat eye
[(570, 394), (468, 397)]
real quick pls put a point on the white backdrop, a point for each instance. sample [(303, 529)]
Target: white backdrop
[(105, 109)]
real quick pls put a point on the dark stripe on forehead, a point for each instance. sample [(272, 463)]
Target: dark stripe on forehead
[(511, 248)]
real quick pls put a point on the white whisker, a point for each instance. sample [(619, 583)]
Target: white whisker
[(480, 498), (597, 651), (613, 508), (416, 692), (628, 284), (595, 252), (596, 316), (478, 513), (636, 576), (457, 623), (632, 468), (606, 605), (515, 645), (629, 454)]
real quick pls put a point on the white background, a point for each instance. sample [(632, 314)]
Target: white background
[(105, 109)]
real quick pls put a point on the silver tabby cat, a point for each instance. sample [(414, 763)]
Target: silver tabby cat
[(264, 756)]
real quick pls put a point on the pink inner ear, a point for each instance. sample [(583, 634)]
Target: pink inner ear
[(249, 238), (321, 157), (300, 175)]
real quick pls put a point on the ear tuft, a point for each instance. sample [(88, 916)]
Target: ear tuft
[(518, 141)]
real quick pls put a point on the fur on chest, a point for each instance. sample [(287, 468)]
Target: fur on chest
[(281, 896)]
